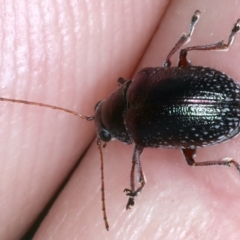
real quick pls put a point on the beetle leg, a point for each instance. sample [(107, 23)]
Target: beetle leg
[(121, 81), (189, 154), (215, 46), (136, 163), (185, 38)]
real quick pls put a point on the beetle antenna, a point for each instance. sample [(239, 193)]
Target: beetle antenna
[(88, 118), (99, 144)]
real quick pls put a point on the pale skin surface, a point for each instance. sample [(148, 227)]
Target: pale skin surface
[(71, 55)]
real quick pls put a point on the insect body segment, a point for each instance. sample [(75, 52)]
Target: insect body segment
[(187, 107)]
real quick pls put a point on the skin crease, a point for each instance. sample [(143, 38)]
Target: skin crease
[(40, 146)]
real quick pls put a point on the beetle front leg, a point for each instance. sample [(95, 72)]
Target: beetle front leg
[(132, 193), (189, 155)]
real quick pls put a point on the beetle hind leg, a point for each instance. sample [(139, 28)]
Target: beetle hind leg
[(185, 38), (215, 46), (189, 155), (136, 164)]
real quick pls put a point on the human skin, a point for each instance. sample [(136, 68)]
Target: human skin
[(70, 54)]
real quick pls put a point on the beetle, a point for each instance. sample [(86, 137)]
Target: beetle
[(186, 107)]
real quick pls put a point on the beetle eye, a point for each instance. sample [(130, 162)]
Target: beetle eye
[(105, 135)]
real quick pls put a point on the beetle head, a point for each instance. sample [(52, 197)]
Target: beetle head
[(109, 116)]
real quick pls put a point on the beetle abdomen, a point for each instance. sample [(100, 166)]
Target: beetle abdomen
[(185, 107)]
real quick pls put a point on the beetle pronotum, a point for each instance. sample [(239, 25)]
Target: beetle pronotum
[(186, 107)]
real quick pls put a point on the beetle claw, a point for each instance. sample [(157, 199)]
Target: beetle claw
[(128, 191), (132, 195)]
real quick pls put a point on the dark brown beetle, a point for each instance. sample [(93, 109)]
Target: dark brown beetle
[(186, 107)]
